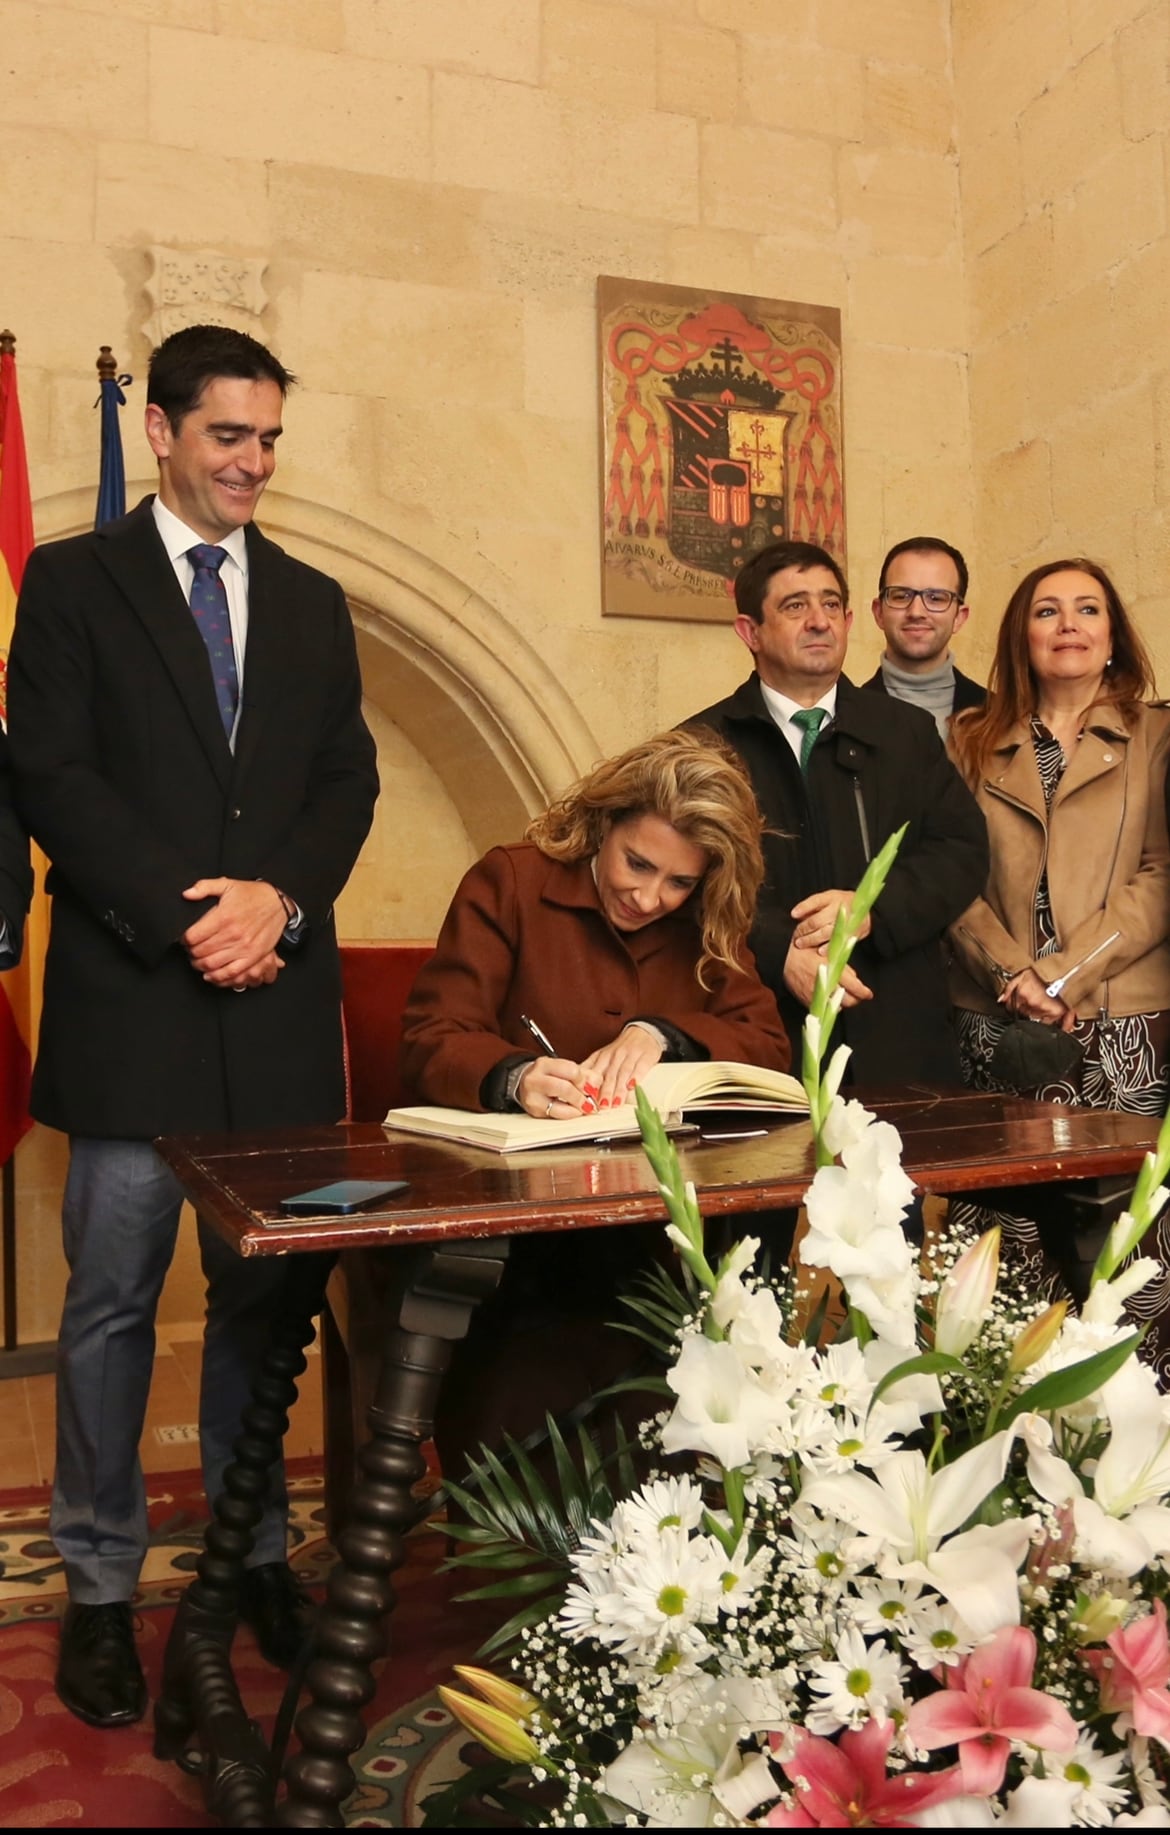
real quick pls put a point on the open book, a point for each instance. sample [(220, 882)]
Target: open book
[(676, 1090)]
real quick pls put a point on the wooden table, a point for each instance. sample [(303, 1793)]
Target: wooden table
[(953, 1142), (451, 1231)]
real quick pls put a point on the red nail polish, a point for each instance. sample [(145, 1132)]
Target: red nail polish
[(604, 1103)]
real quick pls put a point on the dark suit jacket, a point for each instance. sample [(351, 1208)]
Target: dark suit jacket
[(526, 934), (16, 880), (968, 693), (880, 764), (126, 779)]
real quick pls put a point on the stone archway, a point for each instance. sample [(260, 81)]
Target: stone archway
[(467, 689)]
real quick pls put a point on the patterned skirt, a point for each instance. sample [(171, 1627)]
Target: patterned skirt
[(1126, 1066)]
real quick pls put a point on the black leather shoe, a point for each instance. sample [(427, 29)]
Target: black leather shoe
[(99, 1677), (278, 1609)]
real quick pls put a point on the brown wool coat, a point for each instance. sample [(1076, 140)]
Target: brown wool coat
[(526, 934), (1108, 861)]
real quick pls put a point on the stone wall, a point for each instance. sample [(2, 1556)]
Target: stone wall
[(412, 199), (1064, 123), (418, 196)]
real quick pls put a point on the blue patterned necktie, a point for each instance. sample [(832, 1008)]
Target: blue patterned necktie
[(808, 719), (209, 607)]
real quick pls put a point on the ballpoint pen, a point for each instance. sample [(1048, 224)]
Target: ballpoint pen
[(541, 1038)]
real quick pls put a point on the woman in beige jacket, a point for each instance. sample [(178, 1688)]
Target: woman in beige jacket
[(1068, 762)]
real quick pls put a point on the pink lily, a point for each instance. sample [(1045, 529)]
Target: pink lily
[(1136, 1673), (843, 1784), (987, 1703)]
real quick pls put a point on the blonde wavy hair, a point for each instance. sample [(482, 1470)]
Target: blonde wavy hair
[(696, 783)]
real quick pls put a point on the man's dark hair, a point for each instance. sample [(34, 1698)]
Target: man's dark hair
[(927, 544), (751, 584), (183, 365)]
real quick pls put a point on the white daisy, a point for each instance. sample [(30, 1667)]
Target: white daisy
[(662, 1590), (935, 1634), (1097, 1774), (662, 1504), (862, 1682)]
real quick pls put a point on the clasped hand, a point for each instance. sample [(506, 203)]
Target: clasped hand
[(815, 918), (559, 1088), (1026, 994), (234, 944)]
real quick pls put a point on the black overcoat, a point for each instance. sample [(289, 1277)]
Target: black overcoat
[(126, 779), (16, 877), (880, 764)]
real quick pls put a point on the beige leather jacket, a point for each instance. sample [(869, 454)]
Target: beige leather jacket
[(1108, 857)]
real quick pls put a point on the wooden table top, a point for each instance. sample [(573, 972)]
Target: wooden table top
[(953, 1141)]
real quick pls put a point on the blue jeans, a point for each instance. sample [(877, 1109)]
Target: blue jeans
[(120, 1220)]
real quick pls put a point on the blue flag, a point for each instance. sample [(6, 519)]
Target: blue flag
[(111, 499)]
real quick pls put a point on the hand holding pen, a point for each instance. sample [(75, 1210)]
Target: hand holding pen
[(553, 1087)]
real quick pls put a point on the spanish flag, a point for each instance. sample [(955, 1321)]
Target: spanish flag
[(19, 1005)]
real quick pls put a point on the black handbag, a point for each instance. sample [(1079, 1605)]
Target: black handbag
[(1028, 1054)]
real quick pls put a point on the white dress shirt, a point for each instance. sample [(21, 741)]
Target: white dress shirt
[(782, 710)]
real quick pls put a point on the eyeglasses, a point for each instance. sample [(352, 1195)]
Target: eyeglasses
[(934, 598)]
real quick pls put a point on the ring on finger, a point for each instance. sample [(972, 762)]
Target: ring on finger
[(549, 1109)]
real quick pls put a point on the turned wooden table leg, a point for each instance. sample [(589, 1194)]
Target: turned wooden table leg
[(429, 1310), (199, 1718)]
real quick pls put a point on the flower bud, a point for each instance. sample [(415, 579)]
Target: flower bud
[(506, 1696), (831, 1081), (966, 1294), (1097, 1619), (1037, 1337), (500, 1732)]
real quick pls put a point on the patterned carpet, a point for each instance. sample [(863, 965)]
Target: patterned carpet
[(56, 1772)]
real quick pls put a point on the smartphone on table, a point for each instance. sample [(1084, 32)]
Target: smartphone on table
[(342, 1198)]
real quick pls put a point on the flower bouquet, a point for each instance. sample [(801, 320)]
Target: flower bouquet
[(911, 1575)]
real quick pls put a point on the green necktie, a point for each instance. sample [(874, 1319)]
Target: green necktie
[(808, 719)]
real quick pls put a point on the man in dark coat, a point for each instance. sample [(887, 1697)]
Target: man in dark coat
[(921, 602), (869, 765), (186, 729)]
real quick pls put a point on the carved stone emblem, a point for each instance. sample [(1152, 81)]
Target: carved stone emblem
[(204, 287)]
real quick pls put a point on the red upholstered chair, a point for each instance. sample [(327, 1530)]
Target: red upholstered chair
[(376, 981)]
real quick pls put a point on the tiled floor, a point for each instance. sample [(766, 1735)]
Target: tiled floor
[(169, 1443)]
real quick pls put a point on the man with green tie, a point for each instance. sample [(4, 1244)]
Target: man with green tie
[(836, 771)]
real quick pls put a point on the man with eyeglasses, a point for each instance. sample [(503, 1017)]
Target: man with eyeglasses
[(921, 602), (836, 771)]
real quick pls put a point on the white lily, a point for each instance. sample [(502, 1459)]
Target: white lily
[(1121, 1527), (694, 1776), (909, 1513), (680, 1781), (1134, 1469)]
